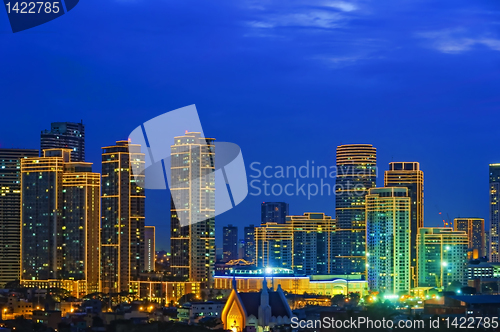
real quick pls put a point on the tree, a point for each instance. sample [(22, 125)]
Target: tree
[(338, 299), (191, 297)]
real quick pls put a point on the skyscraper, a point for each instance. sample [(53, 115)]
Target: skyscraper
[(474, 227), (60, 220), (229, 242), (388, 212), (274, 212), (149, 248), (442, 256), (274, 245), (249, 243), (494, 213), (193, 207), (65, 135), (356, 174), (123, 213), (312, 235), (10, 212), (409, 175)]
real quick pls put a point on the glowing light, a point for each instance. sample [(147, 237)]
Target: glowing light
[(269, 270)]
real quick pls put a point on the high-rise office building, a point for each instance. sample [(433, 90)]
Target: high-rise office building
[(487, 243), (241, 249), (149, 248), (193, 207), (273, 244), (388, 215), (60, 220), (474, 227), (249, 243), (494, 213), (274, 212), (442, 256), (123, 213), (229, 242), (303, 243), (312, 237), (356, 174), (10, 212), (409, 175), (65, 135)]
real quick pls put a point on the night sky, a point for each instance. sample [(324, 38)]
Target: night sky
[(287, 81)]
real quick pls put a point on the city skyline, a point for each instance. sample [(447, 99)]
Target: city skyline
[(351, 81), (380, 181)]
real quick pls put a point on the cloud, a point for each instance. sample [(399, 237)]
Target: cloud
[(312, 19), (455, 41), (342, 5)]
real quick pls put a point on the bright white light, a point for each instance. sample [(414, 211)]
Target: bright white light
[(444, 264), (269, 270)]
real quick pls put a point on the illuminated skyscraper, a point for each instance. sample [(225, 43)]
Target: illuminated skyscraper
[(274, 212), (388, 212), (65, 135), (273, 244), (474, 227), (10, 212), (229, 243), (60, 220), (494, 213), (409, 175), (442, 256), (123, 212), (356, 174), (303, 243), (312, 250), (249, 243), (149, 248), (193, 219)]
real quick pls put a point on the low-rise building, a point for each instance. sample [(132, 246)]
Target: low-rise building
[(16, 307), (50, 318), (192, 312)]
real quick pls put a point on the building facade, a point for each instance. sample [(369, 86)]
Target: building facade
[(65, 135), (10, 212), (442, 256), (312, 243), (193, 207), (494, 179), (409, 175), (249, 233), (356, 174), (273, 244), (60, 220), (123, 213), (149, 248), (474, 227), (274, 212), (229, 242), (388, 248)]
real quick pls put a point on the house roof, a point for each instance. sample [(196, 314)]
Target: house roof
[(251, 303)]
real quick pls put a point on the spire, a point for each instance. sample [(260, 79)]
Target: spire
[(264, 284)]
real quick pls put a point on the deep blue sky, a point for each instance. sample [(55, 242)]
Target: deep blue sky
[(286, 80)]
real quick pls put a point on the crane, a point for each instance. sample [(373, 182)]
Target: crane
[(447, 223)]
